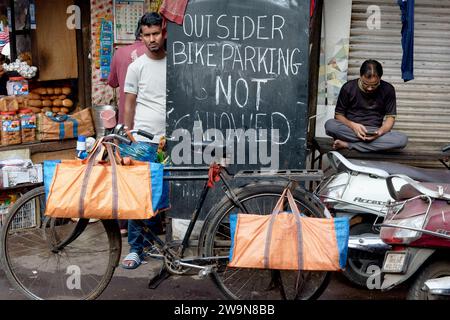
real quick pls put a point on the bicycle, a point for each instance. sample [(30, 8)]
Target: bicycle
[(76, 259)]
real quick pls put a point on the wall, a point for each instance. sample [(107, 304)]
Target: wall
[(334, 58), (102, 93)]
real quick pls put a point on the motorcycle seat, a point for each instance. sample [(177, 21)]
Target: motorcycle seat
[(408, 191), (413, 189), (418, 174)]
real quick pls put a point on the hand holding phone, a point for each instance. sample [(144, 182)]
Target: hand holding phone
[(371, 133)]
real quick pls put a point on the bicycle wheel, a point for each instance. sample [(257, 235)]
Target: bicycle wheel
[(80, 270), (258, 284)]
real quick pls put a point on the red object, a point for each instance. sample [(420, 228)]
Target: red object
[(311, 8), (438, 220), (25, 111), (213, 175), (174, 10), (119, 66)]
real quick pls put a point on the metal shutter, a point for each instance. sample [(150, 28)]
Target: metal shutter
[(423, 104)]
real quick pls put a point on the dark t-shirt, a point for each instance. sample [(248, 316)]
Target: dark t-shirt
[(368, 109)]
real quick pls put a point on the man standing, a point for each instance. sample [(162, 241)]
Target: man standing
[(119, 66), (145, 108), (361, 107)]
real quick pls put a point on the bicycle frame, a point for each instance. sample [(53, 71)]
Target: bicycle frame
[(225, 177)]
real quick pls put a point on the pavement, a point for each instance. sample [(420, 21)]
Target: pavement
[(132, 285)]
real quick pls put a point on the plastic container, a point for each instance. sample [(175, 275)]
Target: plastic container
[(108, 118), (10, 128), (81, 148), (98, 122), (27, 125), (17, 86)]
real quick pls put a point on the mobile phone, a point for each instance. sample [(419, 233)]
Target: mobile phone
[(371, 133)]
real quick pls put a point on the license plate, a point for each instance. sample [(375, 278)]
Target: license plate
[(395, 262)]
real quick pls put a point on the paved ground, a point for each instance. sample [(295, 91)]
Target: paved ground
[(132, 285)]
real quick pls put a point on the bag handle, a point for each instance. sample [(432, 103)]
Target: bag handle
[(115, 189), (90, 165), (280, 203), (97, 149), (275, 212)]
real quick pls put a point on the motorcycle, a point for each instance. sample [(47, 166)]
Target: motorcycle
[(357, 189), (417, 227)]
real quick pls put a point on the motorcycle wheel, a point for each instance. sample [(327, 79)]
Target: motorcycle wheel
[(434, 270), (359, 263)]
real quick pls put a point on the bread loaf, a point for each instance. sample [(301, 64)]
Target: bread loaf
[(35, 110), (40, 91), (35, 103), (67, 103), (47, 103), (57, 91), (66, 91), (33, 96), (57, 103)]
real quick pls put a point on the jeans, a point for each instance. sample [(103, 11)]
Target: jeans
[(135, 230), (136, 233)]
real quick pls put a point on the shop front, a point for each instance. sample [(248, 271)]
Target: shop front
[(55, 62)]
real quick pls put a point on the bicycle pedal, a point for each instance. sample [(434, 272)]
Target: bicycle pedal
[(203, 273), (155, 256)]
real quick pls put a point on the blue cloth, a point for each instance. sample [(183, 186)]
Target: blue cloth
[(342, 230), (141, 151), (407, 9)]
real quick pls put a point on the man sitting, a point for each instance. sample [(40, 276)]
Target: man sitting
[(360, 110)]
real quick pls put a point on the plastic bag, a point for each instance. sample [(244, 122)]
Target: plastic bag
[(140, 151)]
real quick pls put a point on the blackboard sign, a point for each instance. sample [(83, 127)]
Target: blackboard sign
[(238, 71)]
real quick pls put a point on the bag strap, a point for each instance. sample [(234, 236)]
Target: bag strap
[(275, 212), (115, 189), (90, 165), (280, 203)]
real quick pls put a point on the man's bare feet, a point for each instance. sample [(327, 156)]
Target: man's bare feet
[(339, 144)]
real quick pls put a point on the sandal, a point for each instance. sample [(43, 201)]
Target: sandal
[(131, 261)]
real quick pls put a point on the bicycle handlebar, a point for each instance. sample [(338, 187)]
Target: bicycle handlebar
[(446, 148), (145, 134), (118, 137)]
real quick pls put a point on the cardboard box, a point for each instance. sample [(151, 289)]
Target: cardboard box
[(12, 176)]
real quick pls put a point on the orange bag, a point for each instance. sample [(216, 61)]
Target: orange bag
[(100, 189), (288, 241)]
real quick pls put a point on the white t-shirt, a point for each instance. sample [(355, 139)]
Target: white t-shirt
[(146, 78)]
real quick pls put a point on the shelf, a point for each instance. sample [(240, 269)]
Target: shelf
[(43, 146), (22, 32), (22, 186)]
